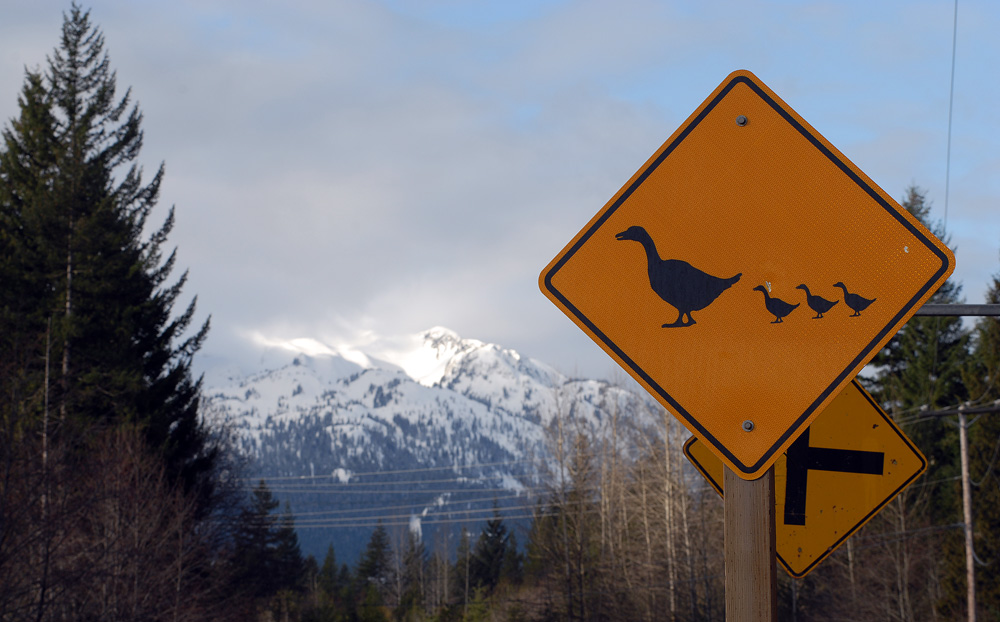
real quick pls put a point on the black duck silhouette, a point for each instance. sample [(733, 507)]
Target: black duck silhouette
[(778, 307), (854, 301), (677, 282), (816, 303)]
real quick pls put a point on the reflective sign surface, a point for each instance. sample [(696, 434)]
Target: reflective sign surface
[(746, 273)]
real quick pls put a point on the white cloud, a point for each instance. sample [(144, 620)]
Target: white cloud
[(401, 165)]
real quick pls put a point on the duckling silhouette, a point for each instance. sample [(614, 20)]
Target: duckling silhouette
[(854, 301), (776, 306), (677, 282), (816, 303)]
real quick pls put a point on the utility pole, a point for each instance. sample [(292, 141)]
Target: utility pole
[(970, 568)]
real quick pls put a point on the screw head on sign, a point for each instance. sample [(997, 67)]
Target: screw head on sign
[(748, 426), (741, 120)]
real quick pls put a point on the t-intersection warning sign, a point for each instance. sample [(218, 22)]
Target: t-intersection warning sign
[(835, 477), (746, 273)]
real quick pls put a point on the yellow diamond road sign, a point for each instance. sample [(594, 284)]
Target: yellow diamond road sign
[(746, 273), (835, 477)]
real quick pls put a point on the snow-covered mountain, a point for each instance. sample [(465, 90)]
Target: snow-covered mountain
[(426, 432)]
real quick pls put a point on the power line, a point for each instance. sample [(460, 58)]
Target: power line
[(404, 523), (992, 409), (411, 491), (488, 498), (430, 516), (394, 472), (544, 514), (484, 478), (951, 101)]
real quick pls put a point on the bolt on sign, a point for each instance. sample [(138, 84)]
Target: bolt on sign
[(833, 479), (746, 273)]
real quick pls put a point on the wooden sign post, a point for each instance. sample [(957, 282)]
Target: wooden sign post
[(751, 563)]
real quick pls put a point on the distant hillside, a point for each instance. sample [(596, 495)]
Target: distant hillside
[(426, 435)]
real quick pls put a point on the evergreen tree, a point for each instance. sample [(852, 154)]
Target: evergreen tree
[(84, 295), (289, 564), (329, 599), (328, 578), (375, 567), (91, 350), (983, 374), (27, 167), (267, 559), (490, 553)]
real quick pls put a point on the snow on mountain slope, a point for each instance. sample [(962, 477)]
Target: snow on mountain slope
[(426, 356), (432, 425)]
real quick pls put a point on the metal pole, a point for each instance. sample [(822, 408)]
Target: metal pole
[(970, 569), (751, 559), (959, 310)]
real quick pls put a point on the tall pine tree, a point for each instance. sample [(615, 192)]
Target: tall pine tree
[(490, 553), (921, 368), (375, 567), (87, 302), (268, 559), (374, 576)]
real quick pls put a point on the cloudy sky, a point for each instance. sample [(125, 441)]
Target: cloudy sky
[(349, 167)]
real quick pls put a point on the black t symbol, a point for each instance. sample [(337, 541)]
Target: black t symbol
[(801, 458)]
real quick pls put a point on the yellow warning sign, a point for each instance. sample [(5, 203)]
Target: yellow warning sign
[(746, 273), (833, 479)]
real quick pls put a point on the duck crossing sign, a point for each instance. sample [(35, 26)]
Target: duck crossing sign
[(746, 273), (835, 477)]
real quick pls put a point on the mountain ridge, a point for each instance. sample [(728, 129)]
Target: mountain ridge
[(342, 433)]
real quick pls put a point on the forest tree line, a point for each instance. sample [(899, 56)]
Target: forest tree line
[(118, 502)]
